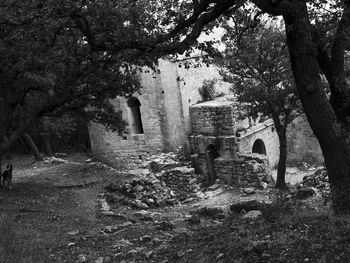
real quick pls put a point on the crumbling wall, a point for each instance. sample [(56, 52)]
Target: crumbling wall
[(245, 171)]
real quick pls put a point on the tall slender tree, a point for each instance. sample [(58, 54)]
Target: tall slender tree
[(257, 63)]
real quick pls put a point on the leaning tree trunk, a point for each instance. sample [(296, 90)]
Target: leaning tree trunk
[(32, 146), (281, 169), (328, 130)]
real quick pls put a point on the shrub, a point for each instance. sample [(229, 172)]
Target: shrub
[(207, 91)]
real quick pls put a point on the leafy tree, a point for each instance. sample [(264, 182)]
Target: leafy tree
[(257, 64), (47, 69)]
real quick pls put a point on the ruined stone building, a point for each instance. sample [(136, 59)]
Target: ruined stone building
[(168, 112)]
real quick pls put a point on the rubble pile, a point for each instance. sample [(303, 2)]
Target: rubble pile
[(165, 161), (143, 193), (164, 180), (319, 180)]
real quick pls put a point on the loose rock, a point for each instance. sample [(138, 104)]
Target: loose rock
[(252, 215)]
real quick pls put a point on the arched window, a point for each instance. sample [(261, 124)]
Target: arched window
[(259, 147), (135, 120), (211, 153)]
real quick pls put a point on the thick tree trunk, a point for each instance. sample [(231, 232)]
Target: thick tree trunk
[(32, 147), (281, 169), (329, 131)]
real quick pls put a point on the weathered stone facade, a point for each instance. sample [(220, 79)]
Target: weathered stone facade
[(167, 113), (217, 146), (163, 114)]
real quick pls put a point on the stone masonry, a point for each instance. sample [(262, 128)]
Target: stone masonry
[(220, 151)]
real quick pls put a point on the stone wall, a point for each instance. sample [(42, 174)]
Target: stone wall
[(264, 131), (245, 171), (213, 118)]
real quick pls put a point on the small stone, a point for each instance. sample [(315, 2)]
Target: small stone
[(99, 260), (140, 204), (264, 185), (249, 190), (254, 214), (220, 255), (73, 232)]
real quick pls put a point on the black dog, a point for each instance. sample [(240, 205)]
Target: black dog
[(7, 176)]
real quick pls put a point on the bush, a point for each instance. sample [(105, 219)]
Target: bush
[(207, 91)]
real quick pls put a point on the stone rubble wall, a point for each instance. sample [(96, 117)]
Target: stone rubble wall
[(245, 171), (165, 179)]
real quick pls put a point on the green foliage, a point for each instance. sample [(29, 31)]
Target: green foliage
[(257, 64), (207, 91)]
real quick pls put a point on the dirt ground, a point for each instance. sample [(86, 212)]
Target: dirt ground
[(53, 214), (55, 207)]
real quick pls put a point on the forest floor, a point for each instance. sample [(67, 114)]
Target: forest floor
[(52, 215)]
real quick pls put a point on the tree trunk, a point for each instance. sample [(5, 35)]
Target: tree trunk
[(32, 146), (46, 141), (281, 169), (330, 133)]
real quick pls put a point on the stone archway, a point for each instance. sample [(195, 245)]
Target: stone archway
[(211, 154), (259, 147), (134, 113)]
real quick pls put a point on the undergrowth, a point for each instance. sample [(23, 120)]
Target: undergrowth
[(289, 231)]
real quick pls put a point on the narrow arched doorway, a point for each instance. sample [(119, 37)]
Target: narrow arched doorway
[(135, 120), (259, 147), (211, 154)]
